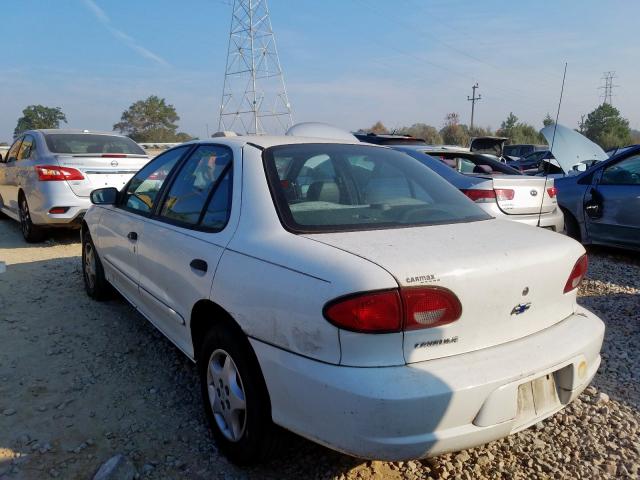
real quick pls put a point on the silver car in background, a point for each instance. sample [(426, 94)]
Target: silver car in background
[(47, 175), (498, 189)]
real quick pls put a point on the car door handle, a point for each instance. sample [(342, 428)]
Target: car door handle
[(132, 236), (199, 264)]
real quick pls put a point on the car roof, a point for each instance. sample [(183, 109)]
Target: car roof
[(266, 141)]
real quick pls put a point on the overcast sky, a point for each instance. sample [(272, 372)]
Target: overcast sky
[(346, 62)]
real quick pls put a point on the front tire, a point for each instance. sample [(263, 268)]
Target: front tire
[(95, 283), (235, 397), (31, 233)]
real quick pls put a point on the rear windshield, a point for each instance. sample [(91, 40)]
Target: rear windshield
[(333, 187), (79, 143)]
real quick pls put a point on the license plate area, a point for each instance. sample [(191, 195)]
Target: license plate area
[(536, 399)]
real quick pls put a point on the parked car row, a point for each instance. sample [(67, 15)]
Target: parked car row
[(315, 272)]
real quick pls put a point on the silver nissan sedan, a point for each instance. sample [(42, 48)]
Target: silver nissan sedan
[(47, 175)]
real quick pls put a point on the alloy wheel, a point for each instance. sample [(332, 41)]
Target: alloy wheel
[(25, 217), (89, 265), (226, 395)]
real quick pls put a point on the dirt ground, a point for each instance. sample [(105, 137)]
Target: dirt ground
[(81, 381)]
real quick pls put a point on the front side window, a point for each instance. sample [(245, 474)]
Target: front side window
[(333, 187), (196, 186), (625, 172), (142, 191)]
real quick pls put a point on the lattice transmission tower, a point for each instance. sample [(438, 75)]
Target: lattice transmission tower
[(254, 96), (608, 86)]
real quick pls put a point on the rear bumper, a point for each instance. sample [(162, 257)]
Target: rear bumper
[(553, 220), (428, 408), (56, 194)]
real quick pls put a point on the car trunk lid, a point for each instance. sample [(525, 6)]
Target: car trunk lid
[(524, 195), (508, 277), (100, 171)]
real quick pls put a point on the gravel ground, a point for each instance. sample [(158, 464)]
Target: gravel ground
[(82, 381)]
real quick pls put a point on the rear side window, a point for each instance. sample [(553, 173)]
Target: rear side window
[(87, 143), (196, 185), (333, 187), (12, 154), (142, 190), (27, 148)]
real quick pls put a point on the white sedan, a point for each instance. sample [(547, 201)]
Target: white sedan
[(344, 292)]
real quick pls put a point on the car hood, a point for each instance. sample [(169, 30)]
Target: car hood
[(571, 148)]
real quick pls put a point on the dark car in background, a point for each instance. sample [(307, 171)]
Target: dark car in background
[(602, 204), (522, 149), (530, 163)]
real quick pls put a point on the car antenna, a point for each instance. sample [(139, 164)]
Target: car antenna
[(553, 141)]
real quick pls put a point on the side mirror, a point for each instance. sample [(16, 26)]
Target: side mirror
[(580, 167), (104, 196)]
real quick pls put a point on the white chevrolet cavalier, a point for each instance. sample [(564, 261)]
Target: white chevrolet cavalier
[(344, 292)]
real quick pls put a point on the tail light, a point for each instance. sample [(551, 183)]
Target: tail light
[(505, 193), (52, 173), (480, 196), (394, 310), (114, 155), (577, 274), (552, 192), (485, 196)]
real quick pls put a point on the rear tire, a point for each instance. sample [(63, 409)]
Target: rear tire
[(235, 397), (95, 283), (31, 233)]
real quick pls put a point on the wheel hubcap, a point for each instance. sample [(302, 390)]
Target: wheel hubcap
[(226, 395), (89, 264)]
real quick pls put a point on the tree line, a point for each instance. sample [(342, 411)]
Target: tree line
[(154, 120), (149, 120), (604, 126)]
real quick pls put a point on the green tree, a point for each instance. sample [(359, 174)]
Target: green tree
[(548, 121), (519, 132), (452, 132), (635, 136), (606, 127), (151, 120), (478, 131), (39, 116), (421, 130)]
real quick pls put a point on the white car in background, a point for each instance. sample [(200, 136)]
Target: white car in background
[(47, 175), (345, 292)]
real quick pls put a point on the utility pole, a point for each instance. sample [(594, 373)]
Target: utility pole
[(608, 86), (254, 96), (473, 99)]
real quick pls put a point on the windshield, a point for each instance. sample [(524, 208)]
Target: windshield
[(83, 143), (333, 187)]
